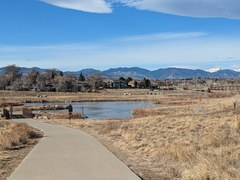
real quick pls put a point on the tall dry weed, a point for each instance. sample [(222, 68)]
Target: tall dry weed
[(109, 127), (15, 134), (215, 157)]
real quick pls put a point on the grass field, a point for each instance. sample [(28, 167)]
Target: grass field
[(194, 136)]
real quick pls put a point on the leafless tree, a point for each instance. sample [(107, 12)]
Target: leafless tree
[(18, 85), (12, 74), (94, 81), (41, 81), (3, 82), (30, 79)]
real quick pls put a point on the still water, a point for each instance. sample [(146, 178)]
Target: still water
[(103, 110)]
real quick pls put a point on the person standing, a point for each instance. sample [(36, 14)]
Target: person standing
[(70, 110)]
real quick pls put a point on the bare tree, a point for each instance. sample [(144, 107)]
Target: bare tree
[(3, 82), (41, 81), (18, 85), (59, 83), (94, 81), (12, 73), (30, 79), (70, 82)]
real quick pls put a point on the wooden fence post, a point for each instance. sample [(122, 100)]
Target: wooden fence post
[(237, 120)]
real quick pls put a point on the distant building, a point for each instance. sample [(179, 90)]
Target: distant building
[(119, 84), (132, 84)]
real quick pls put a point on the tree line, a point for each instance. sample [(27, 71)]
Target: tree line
[(55, 80)]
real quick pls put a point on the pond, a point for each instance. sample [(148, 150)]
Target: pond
[(103, 110)]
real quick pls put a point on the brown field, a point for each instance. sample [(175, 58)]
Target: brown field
[(8, 97), (16, 141), (196, 135)]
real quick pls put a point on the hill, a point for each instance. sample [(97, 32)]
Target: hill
[(140, 73)]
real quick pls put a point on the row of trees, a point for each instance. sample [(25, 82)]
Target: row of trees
[(53, 80)]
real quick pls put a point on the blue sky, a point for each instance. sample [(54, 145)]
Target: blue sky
[(77, 34)]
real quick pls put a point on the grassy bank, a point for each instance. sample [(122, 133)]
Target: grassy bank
[(198, 140), (194, 136), (175, 97), (16, 141)]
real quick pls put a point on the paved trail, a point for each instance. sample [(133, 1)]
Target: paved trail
[(69, 154)]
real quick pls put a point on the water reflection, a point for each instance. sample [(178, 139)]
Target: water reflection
[(103, 110)]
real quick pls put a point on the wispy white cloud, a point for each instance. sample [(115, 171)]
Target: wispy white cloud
[(165, 36), (195, 50), (93, 6), (193, 8)]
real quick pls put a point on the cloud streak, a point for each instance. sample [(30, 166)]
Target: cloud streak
[(165, 36), (92, 6), (195, 50), (192, 8)]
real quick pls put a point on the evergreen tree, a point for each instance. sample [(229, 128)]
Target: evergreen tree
[(81, 77)]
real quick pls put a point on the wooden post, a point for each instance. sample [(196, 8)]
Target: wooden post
[(235, 107), (237, 120)]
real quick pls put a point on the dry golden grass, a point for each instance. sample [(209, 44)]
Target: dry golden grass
[(104, 95), (237, 122), (196, 136), (14, 134), (65, 115), (175, 142), (16, 141)]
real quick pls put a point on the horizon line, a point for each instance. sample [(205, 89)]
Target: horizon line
[(89, 68)]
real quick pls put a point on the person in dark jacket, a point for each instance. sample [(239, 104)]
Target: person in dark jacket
[(70, 110)]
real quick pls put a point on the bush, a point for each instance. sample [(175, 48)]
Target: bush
[(15, 134)]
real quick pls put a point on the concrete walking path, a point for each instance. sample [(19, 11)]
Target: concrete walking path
[(69, 154)]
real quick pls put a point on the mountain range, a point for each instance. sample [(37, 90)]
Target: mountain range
[(140, 73)]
